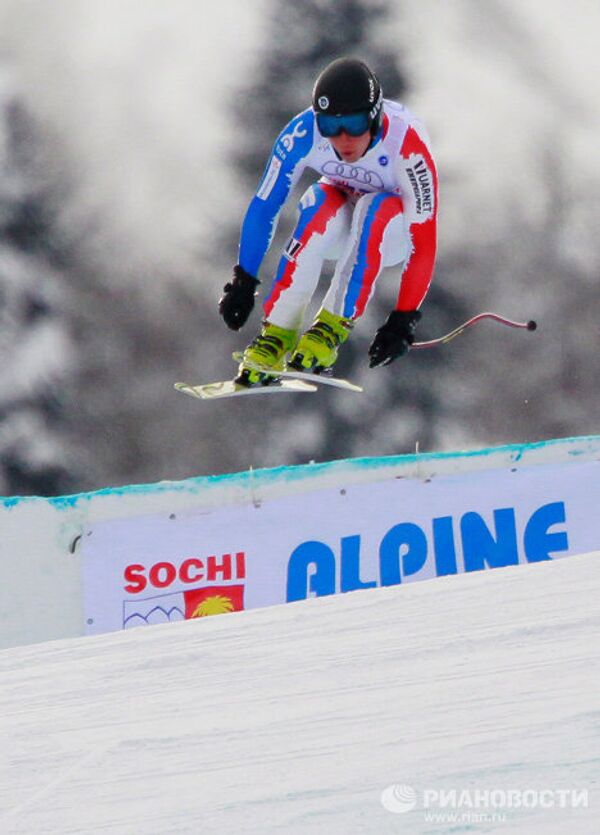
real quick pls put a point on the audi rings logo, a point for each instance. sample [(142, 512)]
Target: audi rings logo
[(323, 102), (346, 171)]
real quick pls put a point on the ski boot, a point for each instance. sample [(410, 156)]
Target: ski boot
[(270, 348), (317, 349)]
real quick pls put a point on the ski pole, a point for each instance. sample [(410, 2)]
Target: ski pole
[(531, 325)]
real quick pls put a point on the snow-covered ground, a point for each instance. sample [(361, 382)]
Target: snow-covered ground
[(297, 718)]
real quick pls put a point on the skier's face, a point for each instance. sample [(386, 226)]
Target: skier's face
[(351, 148)]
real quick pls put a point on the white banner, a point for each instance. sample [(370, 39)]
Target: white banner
[(165, 568)]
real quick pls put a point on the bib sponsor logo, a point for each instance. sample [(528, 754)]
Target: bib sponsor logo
[(347, 172), (421, 180)]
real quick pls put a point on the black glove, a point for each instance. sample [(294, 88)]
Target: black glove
[(394, 338), (237, 301)]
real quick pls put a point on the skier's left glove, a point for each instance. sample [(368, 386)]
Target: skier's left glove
[(393, 339), (237, 301)]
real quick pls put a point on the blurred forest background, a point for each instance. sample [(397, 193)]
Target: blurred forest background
[(132, 137)]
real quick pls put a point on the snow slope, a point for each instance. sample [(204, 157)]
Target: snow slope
[(296, 718)]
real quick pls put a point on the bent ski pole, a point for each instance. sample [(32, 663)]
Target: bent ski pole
[(531, 325)]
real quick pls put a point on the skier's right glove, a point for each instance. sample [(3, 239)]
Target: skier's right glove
[(237, 301)]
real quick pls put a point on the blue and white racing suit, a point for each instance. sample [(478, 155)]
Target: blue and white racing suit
[(365, 215)]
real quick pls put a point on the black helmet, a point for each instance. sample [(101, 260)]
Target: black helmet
[(347, 85)]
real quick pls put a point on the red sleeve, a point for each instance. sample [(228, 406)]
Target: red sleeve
[(422, 175)]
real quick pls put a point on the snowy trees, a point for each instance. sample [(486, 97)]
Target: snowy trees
[(35, 347), (109, 204)]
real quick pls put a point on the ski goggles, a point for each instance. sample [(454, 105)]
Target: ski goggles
[(354, 124)]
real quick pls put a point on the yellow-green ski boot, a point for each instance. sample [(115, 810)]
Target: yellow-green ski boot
[(317, 349), (270, 349)]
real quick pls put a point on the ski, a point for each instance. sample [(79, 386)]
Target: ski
[(293, 374), (229, 388)]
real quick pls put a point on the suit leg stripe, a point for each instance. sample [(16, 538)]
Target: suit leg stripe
[(313, 220), (382, 210)]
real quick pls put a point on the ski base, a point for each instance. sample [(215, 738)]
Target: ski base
[(292, 374), (229, 388)]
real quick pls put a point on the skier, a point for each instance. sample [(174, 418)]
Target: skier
[(374, 206)]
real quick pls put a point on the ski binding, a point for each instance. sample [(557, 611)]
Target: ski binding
[(290, 374)]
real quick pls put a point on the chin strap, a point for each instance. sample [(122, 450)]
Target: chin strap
[(375, 139)]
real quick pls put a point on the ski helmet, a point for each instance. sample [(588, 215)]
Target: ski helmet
[(347, 85)]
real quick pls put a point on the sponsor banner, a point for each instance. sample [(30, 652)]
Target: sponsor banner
[(157, 569)]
